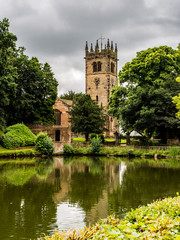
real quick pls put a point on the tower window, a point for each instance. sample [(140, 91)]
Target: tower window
[(94, 67), (57, 136), (112, 67), (58, 117), (99, 66), (96, 98)]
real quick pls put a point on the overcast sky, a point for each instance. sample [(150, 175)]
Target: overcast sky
[(55, 31)]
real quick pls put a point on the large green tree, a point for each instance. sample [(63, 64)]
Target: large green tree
[(36, 92), (71, 95), (8, 72), (176, 100), (143, 101), (28, 88), (86, 116)]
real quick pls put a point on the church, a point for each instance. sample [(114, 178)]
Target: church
[(101, 77)]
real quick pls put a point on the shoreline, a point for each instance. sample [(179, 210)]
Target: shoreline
[(125, 151)]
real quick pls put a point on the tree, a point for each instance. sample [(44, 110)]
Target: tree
[(36, 92), (86, 116), (71, 95), (28, 88), (176, 100), (143, 101), (8, 72)]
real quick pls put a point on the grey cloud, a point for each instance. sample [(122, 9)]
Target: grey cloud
[(56, 31)]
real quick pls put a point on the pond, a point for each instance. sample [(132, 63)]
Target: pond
[(62, 193)]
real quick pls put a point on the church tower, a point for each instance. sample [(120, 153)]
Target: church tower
[(101, 77)]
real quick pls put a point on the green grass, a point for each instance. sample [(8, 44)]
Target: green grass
[(123, 141), (127, 151), (78, 139), (25, 151), (109, 140)]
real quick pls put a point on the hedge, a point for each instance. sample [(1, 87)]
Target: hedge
[(18, 135)]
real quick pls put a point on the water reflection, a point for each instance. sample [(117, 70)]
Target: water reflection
[(71, 192), (122, 169)]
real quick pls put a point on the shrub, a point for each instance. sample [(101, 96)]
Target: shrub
[(93, 135), (95, 145), (159, 220), (18, 135), (174, 151), (68, 149), (101, 136), (44, 144)]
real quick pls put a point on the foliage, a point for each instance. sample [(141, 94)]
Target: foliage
[(36, 92), (86, 116), (18, 135), (120, 151), (96, 144), (101, 136), (44, 144), (159, 220), (27, 87), (8, 72), (93, 135), (143, 101), (174, 151), (176, 100), (71, 95), (68, 149), (1, 136)]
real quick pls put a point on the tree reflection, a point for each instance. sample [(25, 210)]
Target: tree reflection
[(141, 185), (44, 166)]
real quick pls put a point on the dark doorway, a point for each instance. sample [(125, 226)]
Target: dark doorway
[(57, 136)]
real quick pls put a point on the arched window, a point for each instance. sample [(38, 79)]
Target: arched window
[(112, 67), (99, 66), (97, 99), (58, 117), (94, 67)]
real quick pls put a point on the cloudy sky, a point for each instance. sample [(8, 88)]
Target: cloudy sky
[(55, 31)]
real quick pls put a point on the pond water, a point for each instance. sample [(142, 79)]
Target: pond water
[(62, 193)]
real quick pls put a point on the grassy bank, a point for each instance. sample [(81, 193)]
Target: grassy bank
[(126, 151), (159, 220), (123, 141), (20, 152)]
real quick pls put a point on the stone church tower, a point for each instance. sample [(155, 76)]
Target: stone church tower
[(101, 77)]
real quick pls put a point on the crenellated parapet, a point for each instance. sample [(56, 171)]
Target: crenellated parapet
[(96, 52)]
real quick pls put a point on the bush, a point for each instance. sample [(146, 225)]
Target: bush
[(44, 144), (174, 151), (96, 145), (159, 220), (18, 135), (101, 136), (93, 135), (68, 149)]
